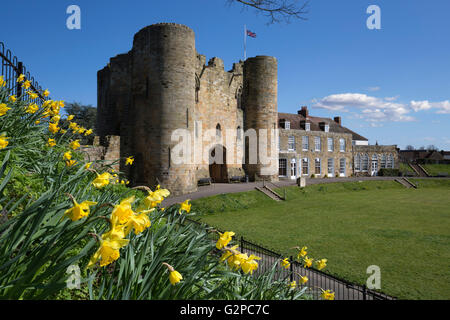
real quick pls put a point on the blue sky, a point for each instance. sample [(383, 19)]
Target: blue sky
[(390, 85)]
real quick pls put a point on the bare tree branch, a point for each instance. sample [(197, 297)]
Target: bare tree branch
[(276, 10)]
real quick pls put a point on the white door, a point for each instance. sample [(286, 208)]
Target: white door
[(293, 169), (374, 165)]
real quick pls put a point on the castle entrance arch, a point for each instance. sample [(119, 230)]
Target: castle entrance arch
[(218, 163)]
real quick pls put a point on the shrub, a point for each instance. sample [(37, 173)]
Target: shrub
[(388, 172)]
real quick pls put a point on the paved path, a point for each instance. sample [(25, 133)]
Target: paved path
[(220, 188)]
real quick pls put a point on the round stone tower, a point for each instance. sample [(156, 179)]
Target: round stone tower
[(163, 96), (261, 114)]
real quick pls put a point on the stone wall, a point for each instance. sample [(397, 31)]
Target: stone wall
[(106, 149)]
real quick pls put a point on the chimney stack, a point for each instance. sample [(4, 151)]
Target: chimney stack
[(303, 111), (337, 120)]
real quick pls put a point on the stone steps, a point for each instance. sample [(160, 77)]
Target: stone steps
[(406, 183), (270, 193)]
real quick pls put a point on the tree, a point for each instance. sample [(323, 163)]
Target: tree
[(409, 147), (276, 10), (432, 147), (85, 116)]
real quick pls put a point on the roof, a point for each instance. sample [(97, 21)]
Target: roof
[(335, 127)]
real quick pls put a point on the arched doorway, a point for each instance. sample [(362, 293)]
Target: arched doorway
[(218, 163)]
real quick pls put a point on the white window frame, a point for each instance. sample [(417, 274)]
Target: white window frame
[(330, 169), (287, 125), (318, 160), (342, 168), (281, 160), (307, 126), (342, 145), (327, 128), (291, 143), (357, 161), (330, 145), (305, 139), (317, 142), (305, 160)]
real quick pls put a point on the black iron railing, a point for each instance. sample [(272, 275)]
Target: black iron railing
[(343, 289), (11, 69)]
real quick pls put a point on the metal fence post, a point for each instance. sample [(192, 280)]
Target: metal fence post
[(242, 243), (364, 292), (19, 72), (291, 268)]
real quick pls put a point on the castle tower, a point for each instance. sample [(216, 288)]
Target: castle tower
[(162, 96), (260, 102)]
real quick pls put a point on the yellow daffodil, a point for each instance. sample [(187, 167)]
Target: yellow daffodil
[(74, 144), (26, 84), (46, 93), (139, 222), (56, 118), (87, 165), (321, 264), (12, 98), (33, 95), (303, 279), (129, 160), (32, 108), (302, 252), (73, 125), (53, 127), (70, 117), (61, 104), (122, 212), (51, 142), (20, 78), (307, 262), (81, 130), (67, 155), (3, 109), (2, 82), (154, 198), (224, 239), (37, 122), (249, 264), (108, 251), (228, 253), (185, 206), (63, 131), (293, 284), (79, 210), (102, 180), (327, 294), (3, 142), (175, 277), (70, 163), (285, 263), (88, 132)]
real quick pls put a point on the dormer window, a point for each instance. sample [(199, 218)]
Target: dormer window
[(307, 126), (287, 125), (327, 128)]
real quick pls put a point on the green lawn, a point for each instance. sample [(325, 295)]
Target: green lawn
[(437, 169), (406, 169), (406, 232)]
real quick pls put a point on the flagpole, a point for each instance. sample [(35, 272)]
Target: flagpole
[(245, 42)]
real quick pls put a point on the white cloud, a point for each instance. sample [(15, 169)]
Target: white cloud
[(373, 88), (442, 107), (371, 108)]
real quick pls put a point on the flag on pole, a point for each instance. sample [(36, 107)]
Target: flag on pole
[(251, 34)]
